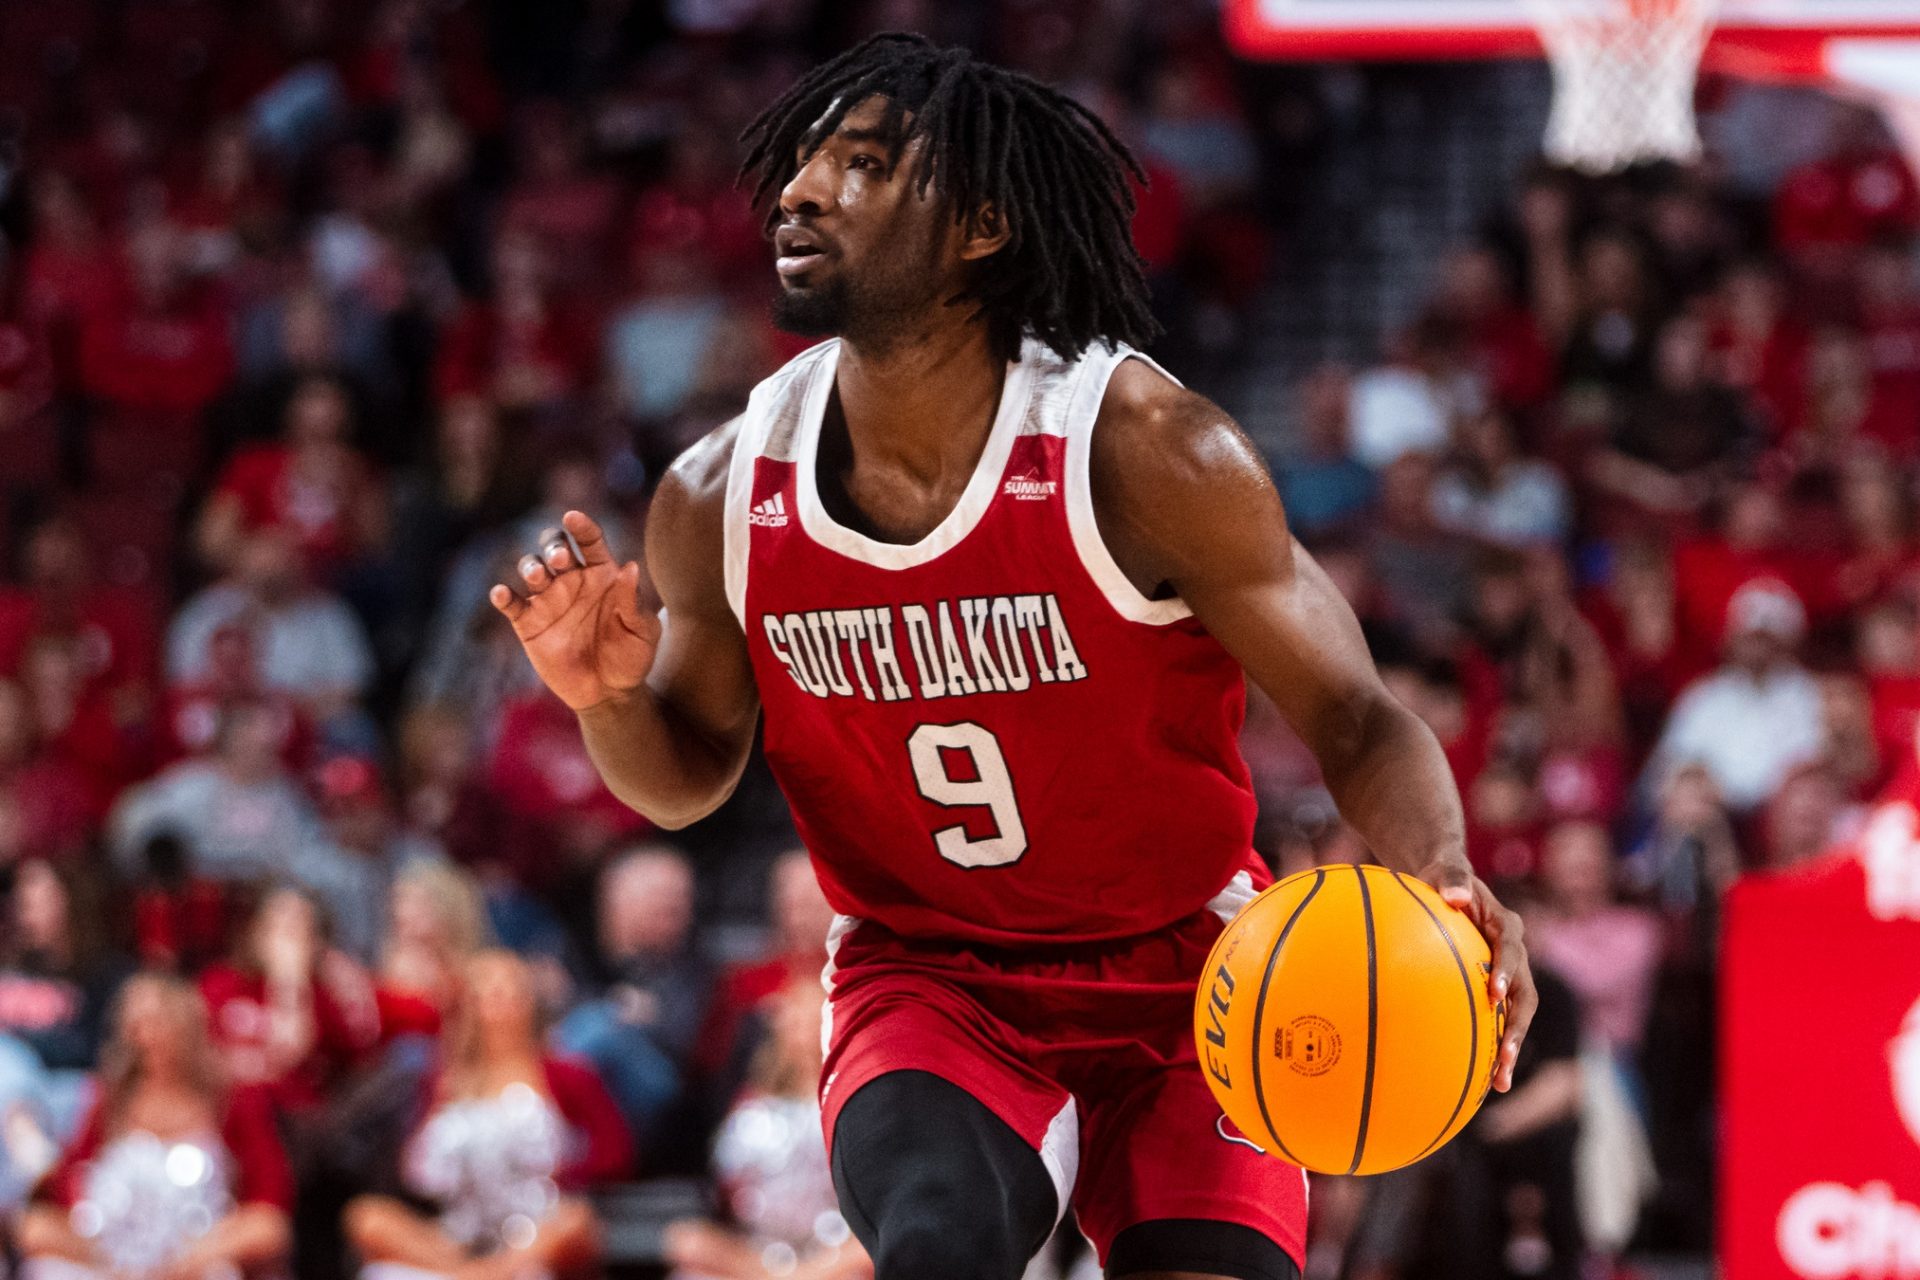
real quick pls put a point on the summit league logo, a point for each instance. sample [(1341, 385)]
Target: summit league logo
[(1030, 488)]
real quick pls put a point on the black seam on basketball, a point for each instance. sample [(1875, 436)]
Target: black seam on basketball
[(1473, 1016), (1373, 1020), (1260, 1010)]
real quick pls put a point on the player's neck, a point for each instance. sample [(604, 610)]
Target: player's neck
[(924, 405)]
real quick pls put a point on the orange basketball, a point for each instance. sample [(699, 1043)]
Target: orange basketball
[(1344, 1020)]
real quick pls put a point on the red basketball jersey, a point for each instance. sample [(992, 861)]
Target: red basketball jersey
[(990, 734)]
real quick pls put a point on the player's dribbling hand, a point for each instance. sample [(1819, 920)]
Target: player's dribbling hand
[(1512, 978), (579, 618)]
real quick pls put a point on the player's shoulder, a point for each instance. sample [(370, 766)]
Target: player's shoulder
[(1153, 431), (699, 474), (687, 518)]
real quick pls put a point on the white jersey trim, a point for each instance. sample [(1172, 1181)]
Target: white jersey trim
[(1096, 372), (738, 535), (1233, 898), (836, 934), (959, 522), (766, 430), (1060, 1152)]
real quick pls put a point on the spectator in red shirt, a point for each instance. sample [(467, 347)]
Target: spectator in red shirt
[(1162, 224), (1758, 347), (112, 628), (442, 799), (161, 348), (1890, 327), (229, 203), (558, 200), (1880, 551), (540, 772), (1476, 294), (1860, 191), (501, 1124), (525, 345), (1750, 542), (68, 274), (436, 923), (47, 806), (216, 1152), (1886, 649), (697, 203), (1846, 411), (192, 711), (26, 381), (407, 43), (1805, 817), (288, 1013), (78, 726), (312, 486), (1504, 823), (799, 921), (1637, 617)]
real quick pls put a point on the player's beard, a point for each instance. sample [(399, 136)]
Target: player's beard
[(884, 304), (814, 311)]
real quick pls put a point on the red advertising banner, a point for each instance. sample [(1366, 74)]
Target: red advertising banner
[(1820, 1034)]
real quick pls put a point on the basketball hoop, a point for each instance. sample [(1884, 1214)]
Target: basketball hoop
[(1623, 79)]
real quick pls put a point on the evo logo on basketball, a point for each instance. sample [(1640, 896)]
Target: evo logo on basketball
[(771, 514), (1218, 1003)]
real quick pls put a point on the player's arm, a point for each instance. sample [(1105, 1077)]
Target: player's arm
[(1185, 505), (666, 704)]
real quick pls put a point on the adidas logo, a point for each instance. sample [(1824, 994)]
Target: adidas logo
[(1030, 488), (771, 514)]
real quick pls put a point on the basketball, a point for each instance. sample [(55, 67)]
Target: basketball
[(1344, 1021)]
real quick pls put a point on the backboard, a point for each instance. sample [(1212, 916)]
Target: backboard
[(1771, 39)]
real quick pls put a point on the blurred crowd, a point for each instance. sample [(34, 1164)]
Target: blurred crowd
[(1628, 514), (322, 946)]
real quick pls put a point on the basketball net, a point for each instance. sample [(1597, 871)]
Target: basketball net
[(1623, 79)]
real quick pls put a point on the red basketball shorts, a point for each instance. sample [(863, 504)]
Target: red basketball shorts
[(1086, 1052)]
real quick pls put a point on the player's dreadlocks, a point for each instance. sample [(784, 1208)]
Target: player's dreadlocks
[(1052, 170)]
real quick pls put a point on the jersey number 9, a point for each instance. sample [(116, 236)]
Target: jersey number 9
[(990, 787)]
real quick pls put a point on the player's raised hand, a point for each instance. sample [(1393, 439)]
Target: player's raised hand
[(579, 618), (1512, 977)]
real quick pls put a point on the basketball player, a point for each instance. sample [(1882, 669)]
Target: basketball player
[(994, 579)]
